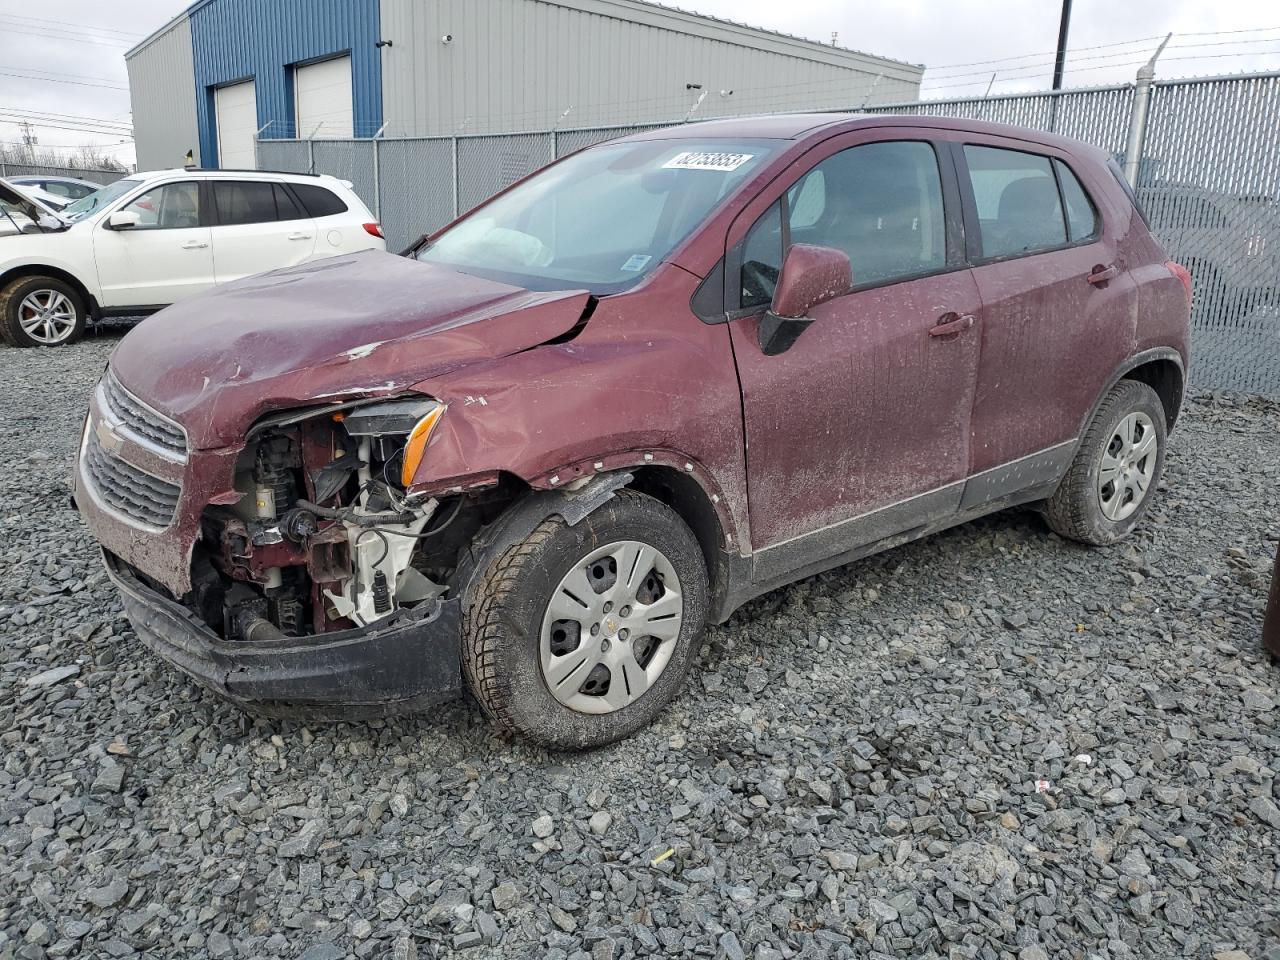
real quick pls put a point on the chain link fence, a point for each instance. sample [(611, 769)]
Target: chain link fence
[(39, 170), (1208, 180)]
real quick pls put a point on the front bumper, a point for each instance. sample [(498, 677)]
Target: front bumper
[(403, 664)]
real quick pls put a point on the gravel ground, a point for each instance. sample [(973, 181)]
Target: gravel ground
[(992, 744)]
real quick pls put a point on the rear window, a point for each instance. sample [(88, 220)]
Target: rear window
[(319, 201)]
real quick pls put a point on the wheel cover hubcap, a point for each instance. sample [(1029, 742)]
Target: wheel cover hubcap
[(47, 316), (610, 627), (1128, 466)]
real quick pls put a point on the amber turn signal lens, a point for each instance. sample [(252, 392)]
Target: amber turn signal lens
[(417, 445)]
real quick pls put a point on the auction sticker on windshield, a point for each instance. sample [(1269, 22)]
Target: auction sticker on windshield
[(699, 160)]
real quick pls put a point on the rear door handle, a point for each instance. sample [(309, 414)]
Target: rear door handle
[(950, 323), (194, 245), (1101, 274), (299, 236)]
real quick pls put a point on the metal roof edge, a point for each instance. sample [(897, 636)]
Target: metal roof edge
[(159, 32), (745, 30)]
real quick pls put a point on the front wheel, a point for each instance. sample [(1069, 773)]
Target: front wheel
[(41, 312), (1113, 477), (580, 635)]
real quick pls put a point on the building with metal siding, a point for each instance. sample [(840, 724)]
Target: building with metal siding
[(237, 40), (437, 67), (163, 96), (534, 64)]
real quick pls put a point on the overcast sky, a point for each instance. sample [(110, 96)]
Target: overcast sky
[(76, 47)]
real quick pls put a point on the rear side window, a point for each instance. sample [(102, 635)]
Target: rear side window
[(1019, 210), (244, 202), (286, 207), (1082, 216), (319, 201)]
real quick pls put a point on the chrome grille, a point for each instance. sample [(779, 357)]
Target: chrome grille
[(126, 489), (135, 417)]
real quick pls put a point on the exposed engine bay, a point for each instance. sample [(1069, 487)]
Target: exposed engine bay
[(324, 535)]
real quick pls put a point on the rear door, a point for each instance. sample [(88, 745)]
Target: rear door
[(860, 430), (258, 225), (166, 257), (1058, 305)]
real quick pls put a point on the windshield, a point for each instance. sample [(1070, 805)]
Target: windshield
[(99, 199), (601, 219)]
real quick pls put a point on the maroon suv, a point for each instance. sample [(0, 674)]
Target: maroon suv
[(657, 378)]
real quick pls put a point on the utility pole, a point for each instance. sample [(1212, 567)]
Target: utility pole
[(1060, 61), (29, 140)]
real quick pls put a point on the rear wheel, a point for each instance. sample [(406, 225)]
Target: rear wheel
[(41, 312), (580, 635), (1113, 477)]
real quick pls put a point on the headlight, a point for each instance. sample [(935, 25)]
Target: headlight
[(413, 418)]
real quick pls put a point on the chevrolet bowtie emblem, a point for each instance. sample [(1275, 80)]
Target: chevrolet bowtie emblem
[(108, 439)]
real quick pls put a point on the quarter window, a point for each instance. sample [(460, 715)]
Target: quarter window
[(1019, 209), (1082, 217), (175, 206), (319, 201)]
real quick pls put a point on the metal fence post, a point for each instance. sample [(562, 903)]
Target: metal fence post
[(4, 169), (1138, 116), (454, 161), (377, 180)]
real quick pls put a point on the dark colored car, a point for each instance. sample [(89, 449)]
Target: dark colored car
[(648, 383)]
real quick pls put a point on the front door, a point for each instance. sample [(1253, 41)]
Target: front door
[(861, 429), (167, 256)]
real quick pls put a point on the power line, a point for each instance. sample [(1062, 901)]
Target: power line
[(1109, 56), (85, 27), (55, 35), (49, 114), (77, 83), (80, 128)]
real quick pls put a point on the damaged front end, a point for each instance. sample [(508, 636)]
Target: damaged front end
[(320, 585)]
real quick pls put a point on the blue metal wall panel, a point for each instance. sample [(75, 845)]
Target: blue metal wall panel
[(236, 40)]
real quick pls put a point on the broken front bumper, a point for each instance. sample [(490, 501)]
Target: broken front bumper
[(400, 665)]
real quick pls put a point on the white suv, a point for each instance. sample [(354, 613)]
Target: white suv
[(143, 242)]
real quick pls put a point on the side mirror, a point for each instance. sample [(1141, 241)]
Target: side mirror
[(123, 220), (810, 276)]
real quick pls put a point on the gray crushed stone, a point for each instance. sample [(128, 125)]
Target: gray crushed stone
[(991, 744)]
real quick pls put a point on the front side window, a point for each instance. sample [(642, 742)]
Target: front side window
[(879, 203), (601, 219), (175, 206), (1019, 210)]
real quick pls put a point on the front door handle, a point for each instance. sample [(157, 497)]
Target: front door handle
[(299, 236), (194, 245), (951, 323), (1101, 274)]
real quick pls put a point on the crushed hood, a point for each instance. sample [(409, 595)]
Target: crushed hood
[(367, 324)]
